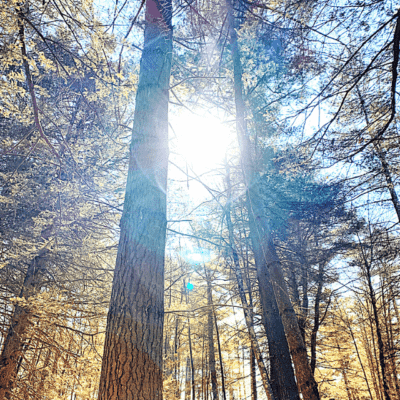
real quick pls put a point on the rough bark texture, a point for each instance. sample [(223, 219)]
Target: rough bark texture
[(132, 361), (16, 335), (265, 252)]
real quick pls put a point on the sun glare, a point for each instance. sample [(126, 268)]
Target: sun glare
[(202, 141)]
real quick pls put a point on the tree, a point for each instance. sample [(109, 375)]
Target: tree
[(132, 361)]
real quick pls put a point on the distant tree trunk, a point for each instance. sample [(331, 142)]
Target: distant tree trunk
[(191, 362), (202, 367), (253, 375), (176, 358), (16, 335), (375, 357), (378, 330), (359, 358), (304, 302), (320, 281), (293, 289), (132, 360), (211, 350), (265, 252), (392, 354), (187, 380), (221, 365), (391, 350), (370, 359)]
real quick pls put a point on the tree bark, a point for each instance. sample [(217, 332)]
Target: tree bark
[(264, 249), (16, 335), (132, 360)]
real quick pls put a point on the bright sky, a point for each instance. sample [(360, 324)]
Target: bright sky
[(198, 144)]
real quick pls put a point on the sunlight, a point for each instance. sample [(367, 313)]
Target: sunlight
[(201, 140)]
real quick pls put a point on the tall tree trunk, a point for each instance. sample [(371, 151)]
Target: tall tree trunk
[(375, 356), (132, 361), (188, 385), (253, 382), (359, 357), (191, 362), (221, 365), (320, 279), (211, 350), (176, 358), (264, 248), (304, 301), (255, 348), (392, 353), (16, 335), (378, 330), (370, 359)]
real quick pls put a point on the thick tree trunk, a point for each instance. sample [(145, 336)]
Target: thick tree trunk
[(16, 335), (132, 361), (265, 253)]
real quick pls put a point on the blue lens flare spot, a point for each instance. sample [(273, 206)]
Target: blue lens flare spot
[(190, 286)]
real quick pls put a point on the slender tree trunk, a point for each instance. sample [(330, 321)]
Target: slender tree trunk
[(370, 360), (187, 380), (304, 300), (211, 350), (176, 358), (221, 365), (359, 357), (293, 289), (315, 328), (392, 354), (253, 375), (263, 246), (378, 331), (16, 335), (132, 361), (191, 362), (375, 356)]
